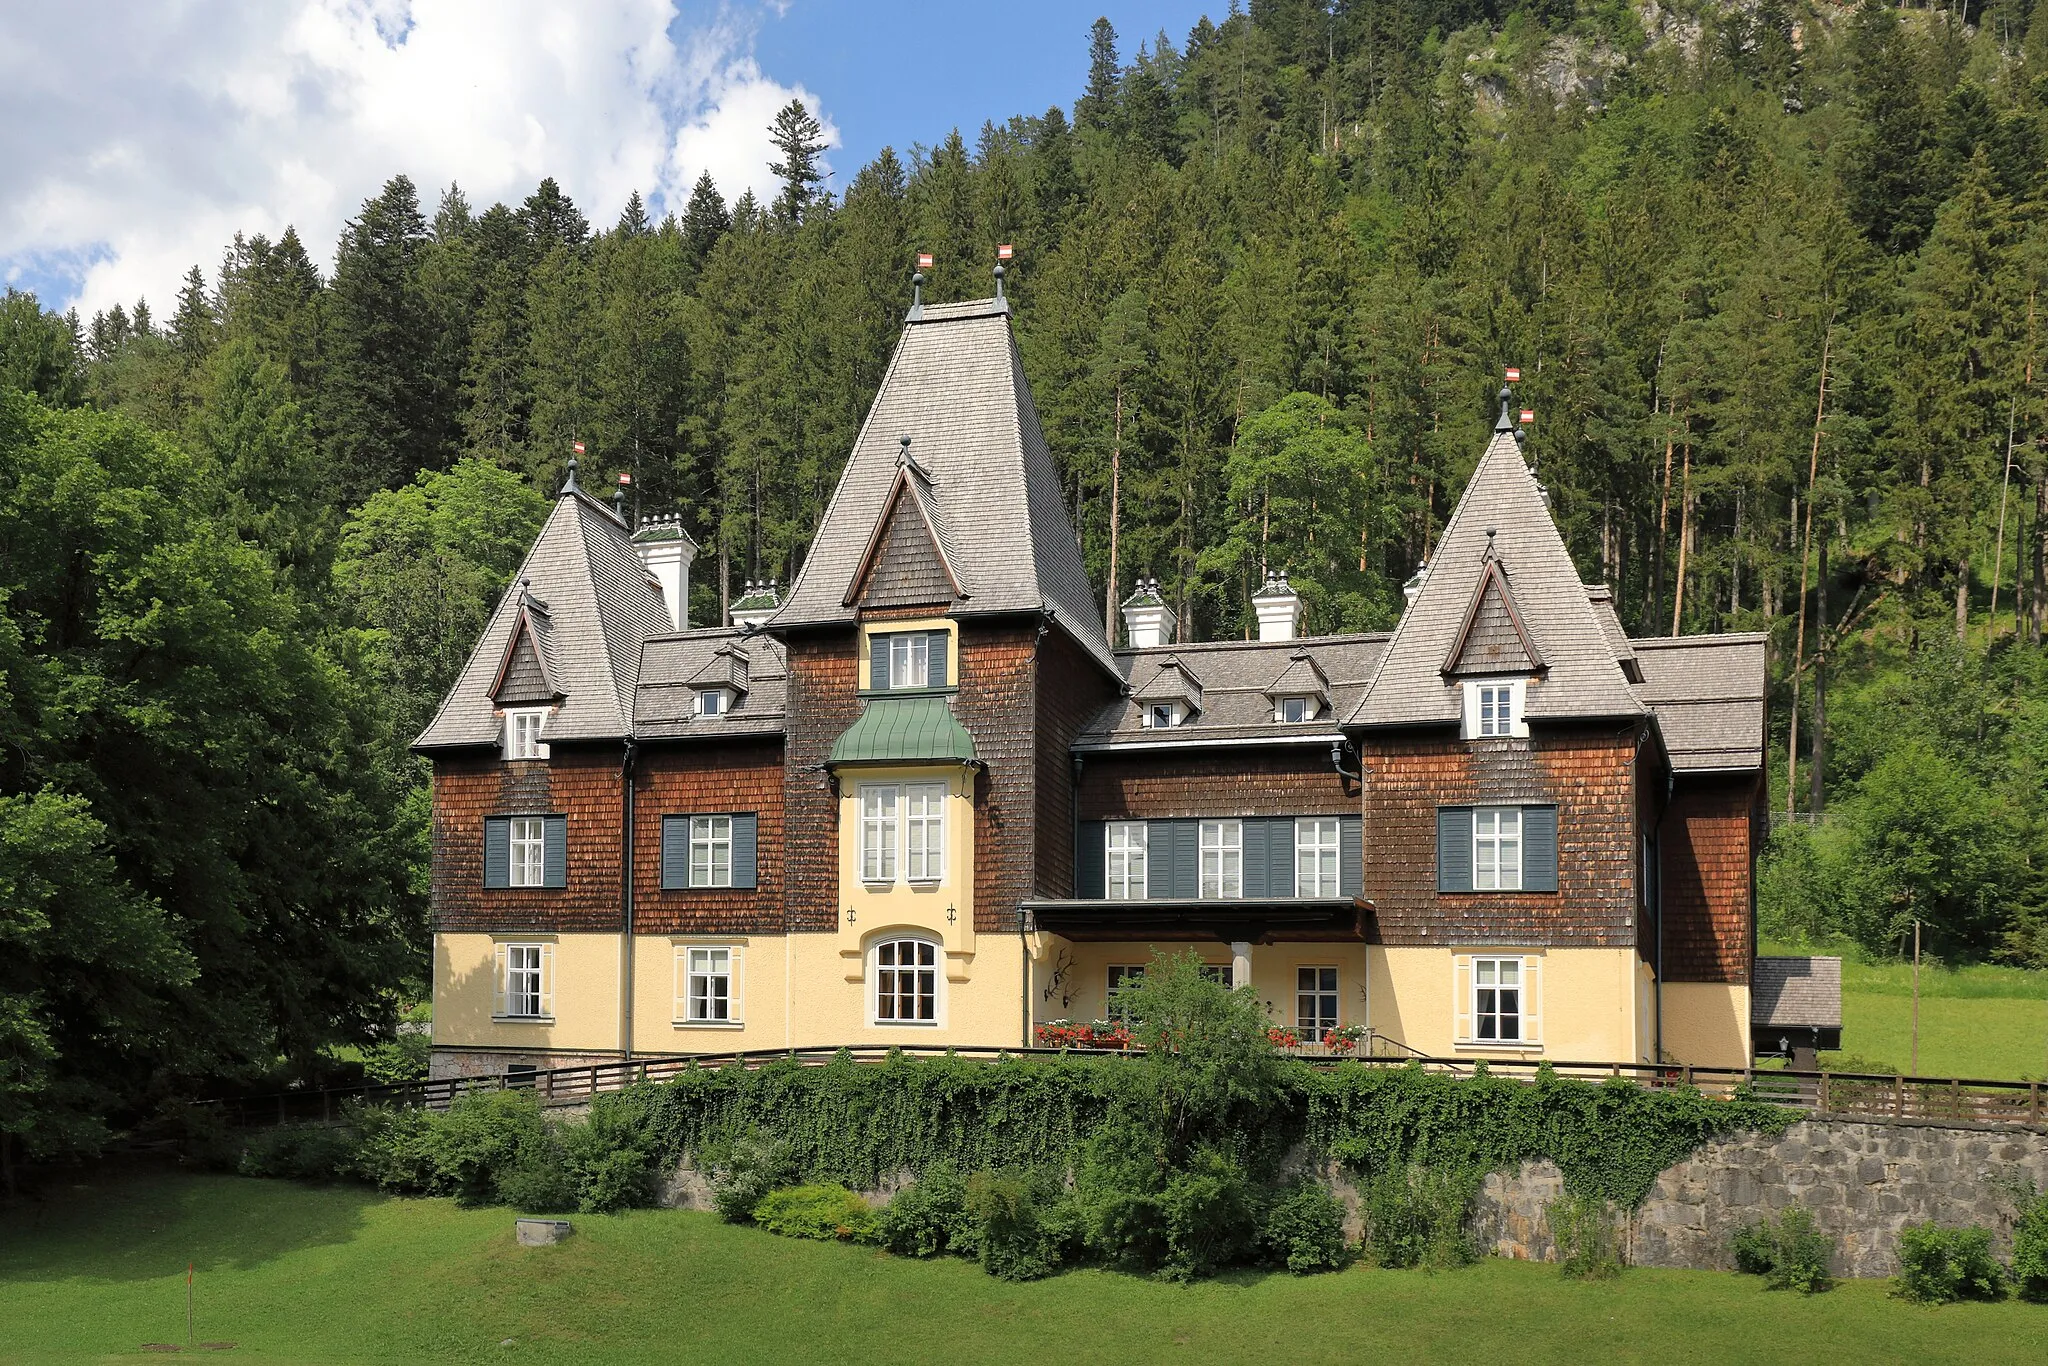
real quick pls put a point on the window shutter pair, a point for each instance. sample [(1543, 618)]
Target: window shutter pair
[(1454, 848), (501, 996), (936, 643), (1091, 854), (675, 851), (554, 853), (1173, 860), (735, 983), (1532, 998)]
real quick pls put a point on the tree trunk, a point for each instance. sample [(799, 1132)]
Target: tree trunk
[(2039, 595), (1684, 534), (1116, 469), (1663, 518), (1963, 603), (1817, 768)]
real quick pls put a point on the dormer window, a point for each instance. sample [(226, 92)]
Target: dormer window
[(1295, 710), (907, 660), (1162, 715), (1493, 709), (522, 733), (713, 701)]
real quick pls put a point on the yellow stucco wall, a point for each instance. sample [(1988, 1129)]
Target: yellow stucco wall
[(1706, 1024), (1587, 1002), (585, 993)]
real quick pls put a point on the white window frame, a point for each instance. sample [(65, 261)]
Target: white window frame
[(1126, 866), (1118, 975), (524, 992), (1315, 985), (1491, 977), (924, 832), (709, 837), (1310, 709), (1164, 715), (886, 994), (1224, 840), (1497, 845), (1318, 855), (526, 839), (713, 702), (708, 982), (881, 820), (1482, 702), (523, 727), (910, 661)]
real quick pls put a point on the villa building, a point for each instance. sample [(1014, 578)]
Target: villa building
[(923, 799)]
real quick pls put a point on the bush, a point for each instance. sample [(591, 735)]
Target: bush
[(2030, 1247), (743, 1173), (1790, 1254), (1024, 1231), (1304, 1230), (538, 1181), (481, 1135), (305, 1152), (395, 1149), (1582, 1226), (1940, 1265), (1209, 1218), (610, 1157), (823, 1212), (1415, 1216), (931, 1217)]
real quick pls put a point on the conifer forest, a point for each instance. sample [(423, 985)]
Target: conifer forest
[(1774, 272)]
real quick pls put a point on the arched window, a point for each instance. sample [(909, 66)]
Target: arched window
[(906, 978)]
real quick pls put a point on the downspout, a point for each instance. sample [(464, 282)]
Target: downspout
[(626, 901), (1670, 786)]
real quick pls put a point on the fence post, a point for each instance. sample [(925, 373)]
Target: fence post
[(1826, 1107), (1955, 1097), (2034, 1102)]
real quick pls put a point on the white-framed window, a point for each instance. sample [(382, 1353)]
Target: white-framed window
[(906, 974), (1315, 1000), (1493, 708), (1295, 710), (878, 832), (524, 991), (710, 993), (522, 733), (1315, 856), (711, 702), (1124, 861), (1219, 973), (711, 851), (528, 840), (1122, 975), (924, 831), (1497, 1002), (910, 662), (1497, 848), (1222, 859), (1163, 715)]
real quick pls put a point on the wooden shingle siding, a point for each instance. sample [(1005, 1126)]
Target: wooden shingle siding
[(907, 570), (823, 702), (581, 785), (1587, 773), (1709, 860), (524, 680), (702, 780), (997, 702), (1297, 781), (1071, 689)]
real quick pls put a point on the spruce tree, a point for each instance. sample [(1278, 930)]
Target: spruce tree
[(799, 139), (705, 220), (1096, 111)]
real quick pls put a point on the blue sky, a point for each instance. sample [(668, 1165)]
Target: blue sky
[(140, 136)]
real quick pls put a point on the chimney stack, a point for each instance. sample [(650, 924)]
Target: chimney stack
[(755, 605), (666, 550), (1413, 588), (1148, 621), (1279, 608)]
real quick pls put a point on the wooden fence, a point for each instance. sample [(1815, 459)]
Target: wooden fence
[(1851, 1095)]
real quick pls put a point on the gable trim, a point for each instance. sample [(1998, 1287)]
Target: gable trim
[(522, 629), (1491, 574), (866, 565)]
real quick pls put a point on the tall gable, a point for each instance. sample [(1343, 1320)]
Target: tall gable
[(525, 678), (907, 563), (1500, 547), (600, 606), (993, 512)]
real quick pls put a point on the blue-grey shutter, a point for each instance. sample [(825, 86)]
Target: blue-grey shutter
[(497, 851), (1280, 860), (935, 654), (1187, 859), (1350, 855), (554, 851), (1159, 859), (1539, 848), (1090, 854), (1454, 849), (745, 843), (675, 853), (878, 663), (1258, 833)]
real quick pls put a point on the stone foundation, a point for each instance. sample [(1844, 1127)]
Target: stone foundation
[(491, 1062), (1863, 1182)]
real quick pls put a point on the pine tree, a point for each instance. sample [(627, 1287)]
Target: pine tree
[(800, 140), (1096, 111), (552, 219), (705, 220)]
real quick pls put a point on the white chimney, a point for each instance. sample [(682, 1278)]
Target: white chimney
[(1148, 621), (1413, 588), (1279, 608), (666, 549), (755, 605)]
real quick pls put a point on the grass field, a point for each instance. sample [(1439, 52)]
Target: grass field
[(1988, 1022), (292, 1273)]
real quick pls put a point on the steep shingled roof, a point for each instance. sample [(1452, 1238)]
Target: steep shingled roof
[(601, 604), (1240, 678), (1581, 678), (956, 387), (1708, 694), (675, 665)]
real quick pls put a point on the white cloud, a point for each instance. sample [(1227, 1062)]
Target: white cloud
[(139, 138)]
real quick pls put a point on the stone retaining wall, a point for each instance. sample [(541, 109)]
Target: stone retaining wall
[(1863, 1182)]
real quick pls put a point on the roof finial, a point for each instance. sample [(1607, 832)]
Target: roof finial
[(570, 485), (924, 263), (1003, 254), (1504, 423), (903, 451)]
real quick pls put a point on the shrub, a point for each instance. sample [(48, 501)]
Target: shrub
[(931, 1217), (395, 1149), (481, 1135), (1304, 1230), (1209, 1218), (824, 1212), (610, 1156), (538, 1181), (2030, 1247), (743, 1173), (1790, 1254), (1940, 1265), (1023, 1231), (1582, 1226), (306, 1152), (1415, 1216)]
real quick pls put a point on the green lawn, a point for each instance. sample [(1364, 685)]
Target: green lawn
[(300, 1274), (1988, 1022)]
